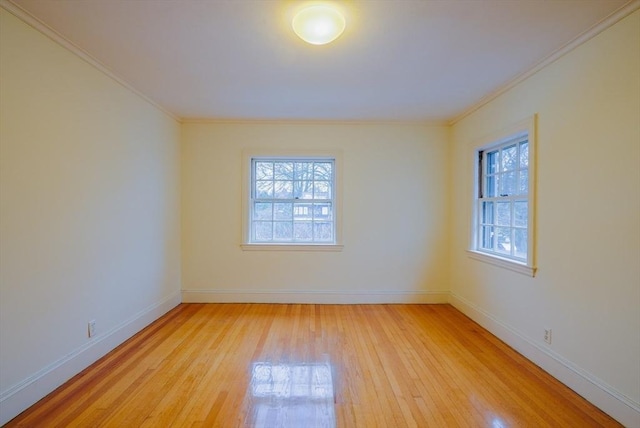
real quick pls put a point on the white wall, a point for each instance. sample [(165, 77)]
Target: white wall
[(89, 214), (394, 194), (588, 209)]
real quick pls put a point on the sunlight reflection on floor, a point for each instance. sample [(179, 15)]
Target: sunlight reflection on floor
[(283, 395)]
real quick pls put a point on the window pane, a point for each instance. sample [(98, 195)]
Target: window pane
[(264, 189), (263, 231), (283, 189), (487, 212), (487, 238), (492, 186), (323, 231), (520, 248), (322, 171), (521, 213), (303, 189), (492, 162), (322, 212), (322, 190), (524, 154), (509, 158), (503, 240), (283, 171), (524, 182), (503, 213), (262, 211), (283, 231), (264, 170), (302, 231), (303, 171), (282, 211), (508, 183)]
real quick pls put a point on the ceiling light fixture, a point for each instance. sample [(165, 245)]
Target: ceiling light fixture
[(318, 24)]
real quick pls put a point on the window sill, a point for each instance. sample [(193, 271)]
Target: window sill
[(503, 263), (291, 247)]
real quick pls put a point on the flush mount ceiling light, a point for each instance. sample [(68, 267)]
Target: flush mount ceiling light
[(318, 24)]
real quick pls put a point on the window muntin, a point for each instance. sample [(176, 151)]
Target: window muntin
[(292, 201), (503, 199)]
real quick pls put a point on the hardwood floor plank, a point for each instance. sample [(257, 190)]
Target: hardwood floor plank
[(389, 365)]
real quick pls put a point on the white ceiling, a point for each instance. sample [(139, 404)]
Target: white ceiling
[(397, 60)]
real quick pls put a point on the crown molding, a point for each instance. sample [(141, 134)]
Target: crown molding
[(221, 121), (582, 38), (43, 28)]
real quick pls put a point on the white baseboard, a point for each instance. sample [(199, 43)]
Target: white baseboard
[(19, 397), (614, 403), (318, 297)]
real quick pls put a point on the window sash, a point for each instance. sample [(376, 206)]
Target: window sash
[(498, 180), (514, 248)]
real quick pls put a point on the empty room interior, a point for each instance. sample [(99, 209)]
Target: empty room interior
[(220, 213)]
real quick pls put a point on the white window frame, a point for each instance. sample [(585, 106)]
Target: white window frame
[(528, 267), (249, 155)]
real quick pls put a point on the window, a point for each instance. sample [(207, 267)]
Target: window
[(291, 202), (503, 209)]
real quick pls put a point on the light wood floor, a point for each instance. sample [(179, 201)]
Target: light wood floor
[(391, 366)]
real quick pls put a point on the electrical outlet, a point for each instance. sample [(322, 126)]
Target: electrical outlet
[(547, 335), (92, 328)]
